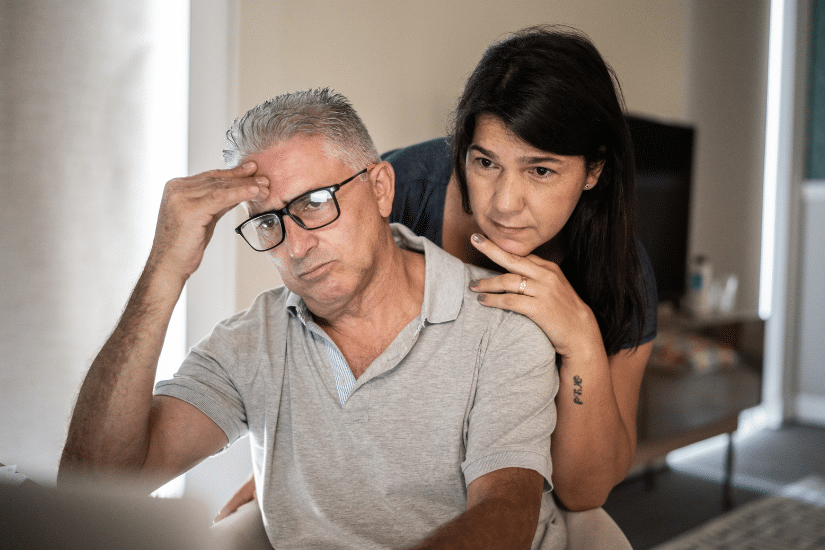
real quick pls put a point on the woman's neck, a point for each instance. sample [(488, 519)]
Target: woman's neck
[(457, 225)]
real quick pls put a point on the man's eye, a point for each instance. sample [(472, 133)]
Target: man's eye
[(317, 200), (484, 162), (541, 171), (266, 223)]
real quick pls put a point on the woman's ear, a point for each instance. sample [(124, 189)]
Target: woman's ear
[(382, 178), (594, 171)]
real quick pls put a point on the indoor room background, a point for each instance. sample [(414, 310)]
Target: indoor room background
[(82, 84)]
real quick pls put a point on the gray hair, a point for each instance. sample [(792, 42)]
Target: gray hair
[(311, 112)]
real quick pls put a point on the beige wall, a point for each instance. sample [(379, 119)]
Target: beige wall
[(726, 97), (403, 64)]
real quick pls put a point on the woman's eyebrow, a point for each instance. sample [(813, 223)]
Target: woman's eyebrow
[(541, 160), (549, 158), (484, 151)]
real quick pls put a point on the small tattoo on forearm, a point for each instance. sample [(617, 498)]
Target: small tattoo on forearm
[(577, 390)]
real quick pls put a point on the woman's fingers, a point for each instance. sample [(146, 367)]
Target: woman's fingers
[(508, 282), (510, 262), (245, 494)]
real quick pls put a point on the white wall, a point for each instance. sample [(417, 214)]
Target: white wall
[(809, 400), (806, 328)]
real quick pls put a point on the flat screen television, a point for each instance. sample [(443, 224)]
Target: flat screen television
[(664, 169)]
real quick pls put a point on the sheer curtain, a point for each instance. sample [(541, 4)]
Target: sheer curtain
[(94, 114)]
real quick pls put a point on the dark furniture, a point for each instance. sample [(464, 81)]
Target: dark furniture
[(696, 384)]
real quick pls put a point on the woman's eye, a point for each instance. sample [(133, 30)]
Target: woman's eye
[(484, 162)]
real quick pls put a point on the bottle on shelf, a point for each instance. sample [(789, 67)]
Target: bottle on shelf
[(699, 285)]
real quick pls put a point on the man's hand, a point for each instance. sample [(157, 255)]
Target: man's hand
[(117, 426), (190, 209)]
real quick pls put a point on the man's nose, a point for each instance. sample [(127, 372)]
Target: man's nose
[(299, 241)]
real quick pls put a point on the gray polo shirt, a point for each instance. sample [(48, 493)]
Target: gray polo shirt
[(462, 391)]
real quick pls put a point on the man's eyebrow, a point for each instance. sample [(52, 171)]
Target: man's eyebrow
[(285, 202), (524, 160)]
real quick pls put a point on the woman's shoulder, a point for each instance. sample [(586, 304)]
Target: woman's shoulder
[(422, 172), (427, 156)]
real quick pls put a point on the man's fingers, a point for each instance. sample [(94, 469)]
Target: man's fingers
[(218, 192), (240, 171)]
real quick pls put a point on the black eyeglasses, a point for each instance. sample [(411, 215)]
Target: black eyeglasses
[(311, 210)]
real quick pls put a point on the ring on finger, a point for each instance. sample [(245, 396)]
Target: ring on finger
[(523, 285)]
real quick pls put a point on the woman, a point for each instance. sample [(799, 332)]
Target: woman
[(537, 183)]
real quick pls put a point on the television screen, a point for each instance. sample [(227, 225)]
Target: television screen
[(664, 162)]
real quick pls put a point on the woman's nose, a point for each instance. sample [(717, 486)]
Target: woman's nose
[(509, 194)]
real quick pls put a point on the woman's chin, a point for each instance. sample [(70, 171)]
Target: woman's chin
[(513, 246)]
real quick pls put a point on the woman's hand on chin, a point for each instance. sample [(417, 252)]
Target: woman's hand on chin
[(537, 288)]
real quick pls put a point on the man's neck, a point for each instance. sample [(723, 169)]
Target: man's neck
[(366, 325)]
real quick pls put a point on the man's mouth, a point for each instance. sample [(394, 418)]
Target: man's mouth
[(315, 271)]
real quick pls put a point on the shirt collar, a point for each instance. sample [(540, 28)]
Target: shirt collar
[(444, 276)]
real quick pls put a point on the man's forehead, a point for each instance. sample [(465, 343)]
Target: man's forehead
[(293, 167)]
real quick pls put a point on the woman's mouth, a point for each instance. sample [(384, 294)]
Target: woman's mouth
[(508, 230)]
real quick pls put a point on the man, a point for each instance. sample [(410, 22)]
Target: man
[(386, 407)]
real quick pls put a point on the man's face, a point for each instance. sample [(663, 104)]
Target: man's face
[(326, 266)]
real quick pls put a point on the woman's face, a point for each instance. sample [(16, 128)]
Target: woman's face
[(521, 196)]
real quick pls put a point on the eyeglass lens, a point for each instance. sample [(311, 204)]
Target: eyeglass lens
[(313, 210)]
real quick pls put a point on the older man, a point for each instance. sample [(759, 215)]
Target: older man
[(386, 408)]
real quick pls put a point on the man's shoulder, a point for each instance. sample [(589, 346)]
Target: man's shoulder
[(270, 306)]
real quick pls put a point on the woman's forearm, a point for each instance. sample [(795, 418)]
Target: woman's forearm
[(594, 443), (591, 445)]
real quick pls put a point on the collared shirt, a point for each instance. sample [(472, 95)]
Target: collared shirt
[(462, 390)]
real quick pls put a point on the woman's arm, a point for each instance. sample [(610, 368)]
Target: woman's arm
[(594, 441)]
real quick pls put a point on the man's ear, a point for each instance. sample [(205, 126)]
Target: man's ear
[(382, 178)]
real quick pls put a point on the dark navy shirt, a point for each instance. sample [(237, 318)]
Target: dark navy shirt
[(422, 172)]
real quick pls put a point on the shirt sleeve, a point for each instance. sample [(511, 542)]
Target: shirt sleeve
[(514, 413), (204, 380)]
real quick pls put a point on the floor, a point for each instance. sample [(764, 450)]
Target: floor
[(687, 491)]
